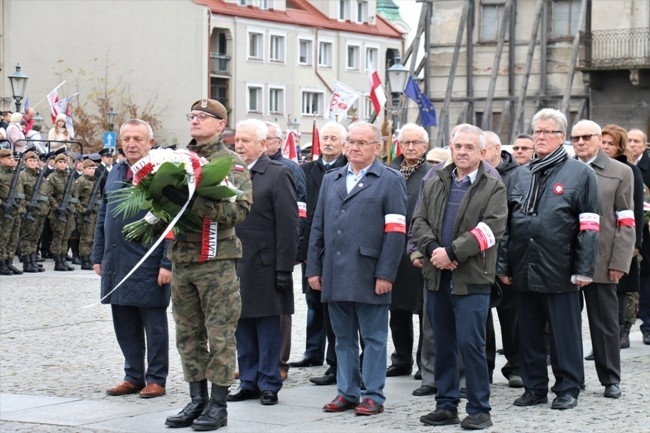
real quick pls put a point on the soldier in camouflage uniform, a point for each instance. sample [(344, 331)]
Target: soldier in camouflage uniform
[(34, 218), (61, 220), (86, 218), (10, 215), (205, 294)]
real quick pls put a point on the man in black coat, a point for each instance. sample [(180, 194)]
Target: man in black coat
[(319, 329), (638, 143), (269, 237)]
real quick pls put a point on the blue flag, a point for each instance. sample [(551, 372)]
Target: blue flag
[(427, 112)]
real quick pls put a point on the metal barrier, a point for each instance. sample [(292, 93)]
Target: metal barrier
[(45, 146)]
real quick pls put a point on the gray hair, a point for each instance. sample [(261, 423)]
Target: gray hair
[(359, 124), (278, 130), (412, 127), (551, 114), (492, 138), (138, 122), (466, 127), (337, 128), (589, 123), (260, 127)]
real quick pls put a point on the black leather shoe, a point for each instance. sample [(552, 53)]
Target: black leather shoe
[(307, 362), (564, 401), (242, 394), (418, 375), (590, 357), (477, 421), (424, 390), (394, 370), (441, 417), (326, 379), (612, 391), (529, 398), (646, 337), (269, 398)]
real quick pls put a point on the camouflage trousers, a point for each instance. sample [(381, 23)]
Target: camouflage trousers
[(31, 233), (86, 233), (206, 305), (14, 238), (631, 308), (6, 228), (61, 231)]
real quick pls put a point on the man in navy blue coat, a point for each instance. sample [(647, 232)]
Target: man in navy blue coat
[(356, 243), (139, 306)]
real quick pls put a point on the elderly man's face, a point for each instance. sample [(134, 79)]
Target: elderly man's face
[(135, 142), (29, 114), (361, 146), (331, 144), (413, 146), (492, 152), (465, 152), (522, 150), (247, 145), (204, 131), (273, 143), (586, 141), (547, 137), (636, 143)]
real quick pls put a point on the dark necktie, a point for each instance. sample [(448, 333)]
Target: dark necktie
[(129, 175)]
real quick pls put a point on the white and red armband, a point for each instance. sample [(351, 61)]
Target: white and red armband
[(484, 236), (394, 223), (589, 222), (625, 218), (302, 209)]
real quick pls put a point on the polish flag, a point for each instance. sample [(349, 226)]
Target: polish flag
[(289, 148), (315, 143), (377, 94)]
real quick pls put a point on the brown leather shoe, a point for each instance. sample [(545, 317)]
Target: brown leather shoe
[(123, 388), (284, 374), (152, 390), (339, 404)]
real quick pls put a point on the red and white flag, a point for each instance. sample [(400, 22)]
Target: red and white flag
[(377, 94), (289, 148), (53, 100), (315, 143)]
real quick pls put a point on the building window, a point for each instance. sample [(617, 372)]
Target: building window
[(254, 103), (312, 103), (368, 109), (491, 15), (276, 100), (277, 49), (353, 57), (362, 11), (264, 4), (325, 54), (343, 10), (564, 18), (305, 52), (372, 58), (255, 47)]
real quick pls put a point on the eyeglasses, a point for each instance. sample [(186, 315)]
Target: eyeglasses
[(273, 138), (524, 148), (360, 143), (411, 143), (540, 132), (585, 137), (200, 116)]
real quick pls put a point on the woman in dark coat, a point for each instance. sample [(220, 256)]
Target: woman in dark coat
[(407, 296), (615, 146)]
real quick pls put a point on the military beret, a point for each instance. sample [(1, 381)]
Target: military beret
[(29, 155), (107, 151), (5, 153), (89, 163), (60, 156), (211, 106)]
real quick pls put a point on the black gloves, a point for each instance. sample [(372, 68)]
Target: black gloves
[(177, 196), (283, 280)]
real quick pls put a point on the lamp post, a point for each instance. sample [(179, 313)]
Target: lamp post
[(18, 81), (110, 118), (293, 123), (397, 76), (38, 119)]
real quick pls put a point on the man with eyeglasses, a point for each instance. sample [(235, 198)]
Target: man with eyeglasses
[(208, 290), (548, 253), (522, 149), (615, 249), (274, 151), (319, 328), (356, 243)]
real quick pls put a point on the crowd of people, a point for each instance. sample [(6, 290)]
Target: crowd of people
[(442, 234)]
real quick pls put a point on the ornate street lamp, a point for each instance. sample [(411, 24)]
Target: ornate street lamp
[(18, 81), (397, 76), (110, 118)]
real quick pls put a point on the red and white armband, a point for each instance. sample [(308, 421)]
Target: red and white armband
[(589, 222), (394, 223), (625, 218), (484, 236)]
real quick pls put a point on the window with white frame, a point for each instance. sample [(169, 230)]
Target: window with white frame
[(372, 58), (305, 51), (352, 61), (312, 103), (255, 46), (343, 8), (325, 54), (276, 100), (254, 103), (491, 16), (362, 11), (368, 108), (276, 53), (565, 15), (264, 4)]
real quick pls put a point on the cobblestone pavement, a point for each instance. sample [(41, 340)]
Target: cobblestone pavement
[(57, 341)]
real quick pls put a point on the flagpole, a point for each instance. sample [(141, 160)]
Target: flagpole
[(53, 90)]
